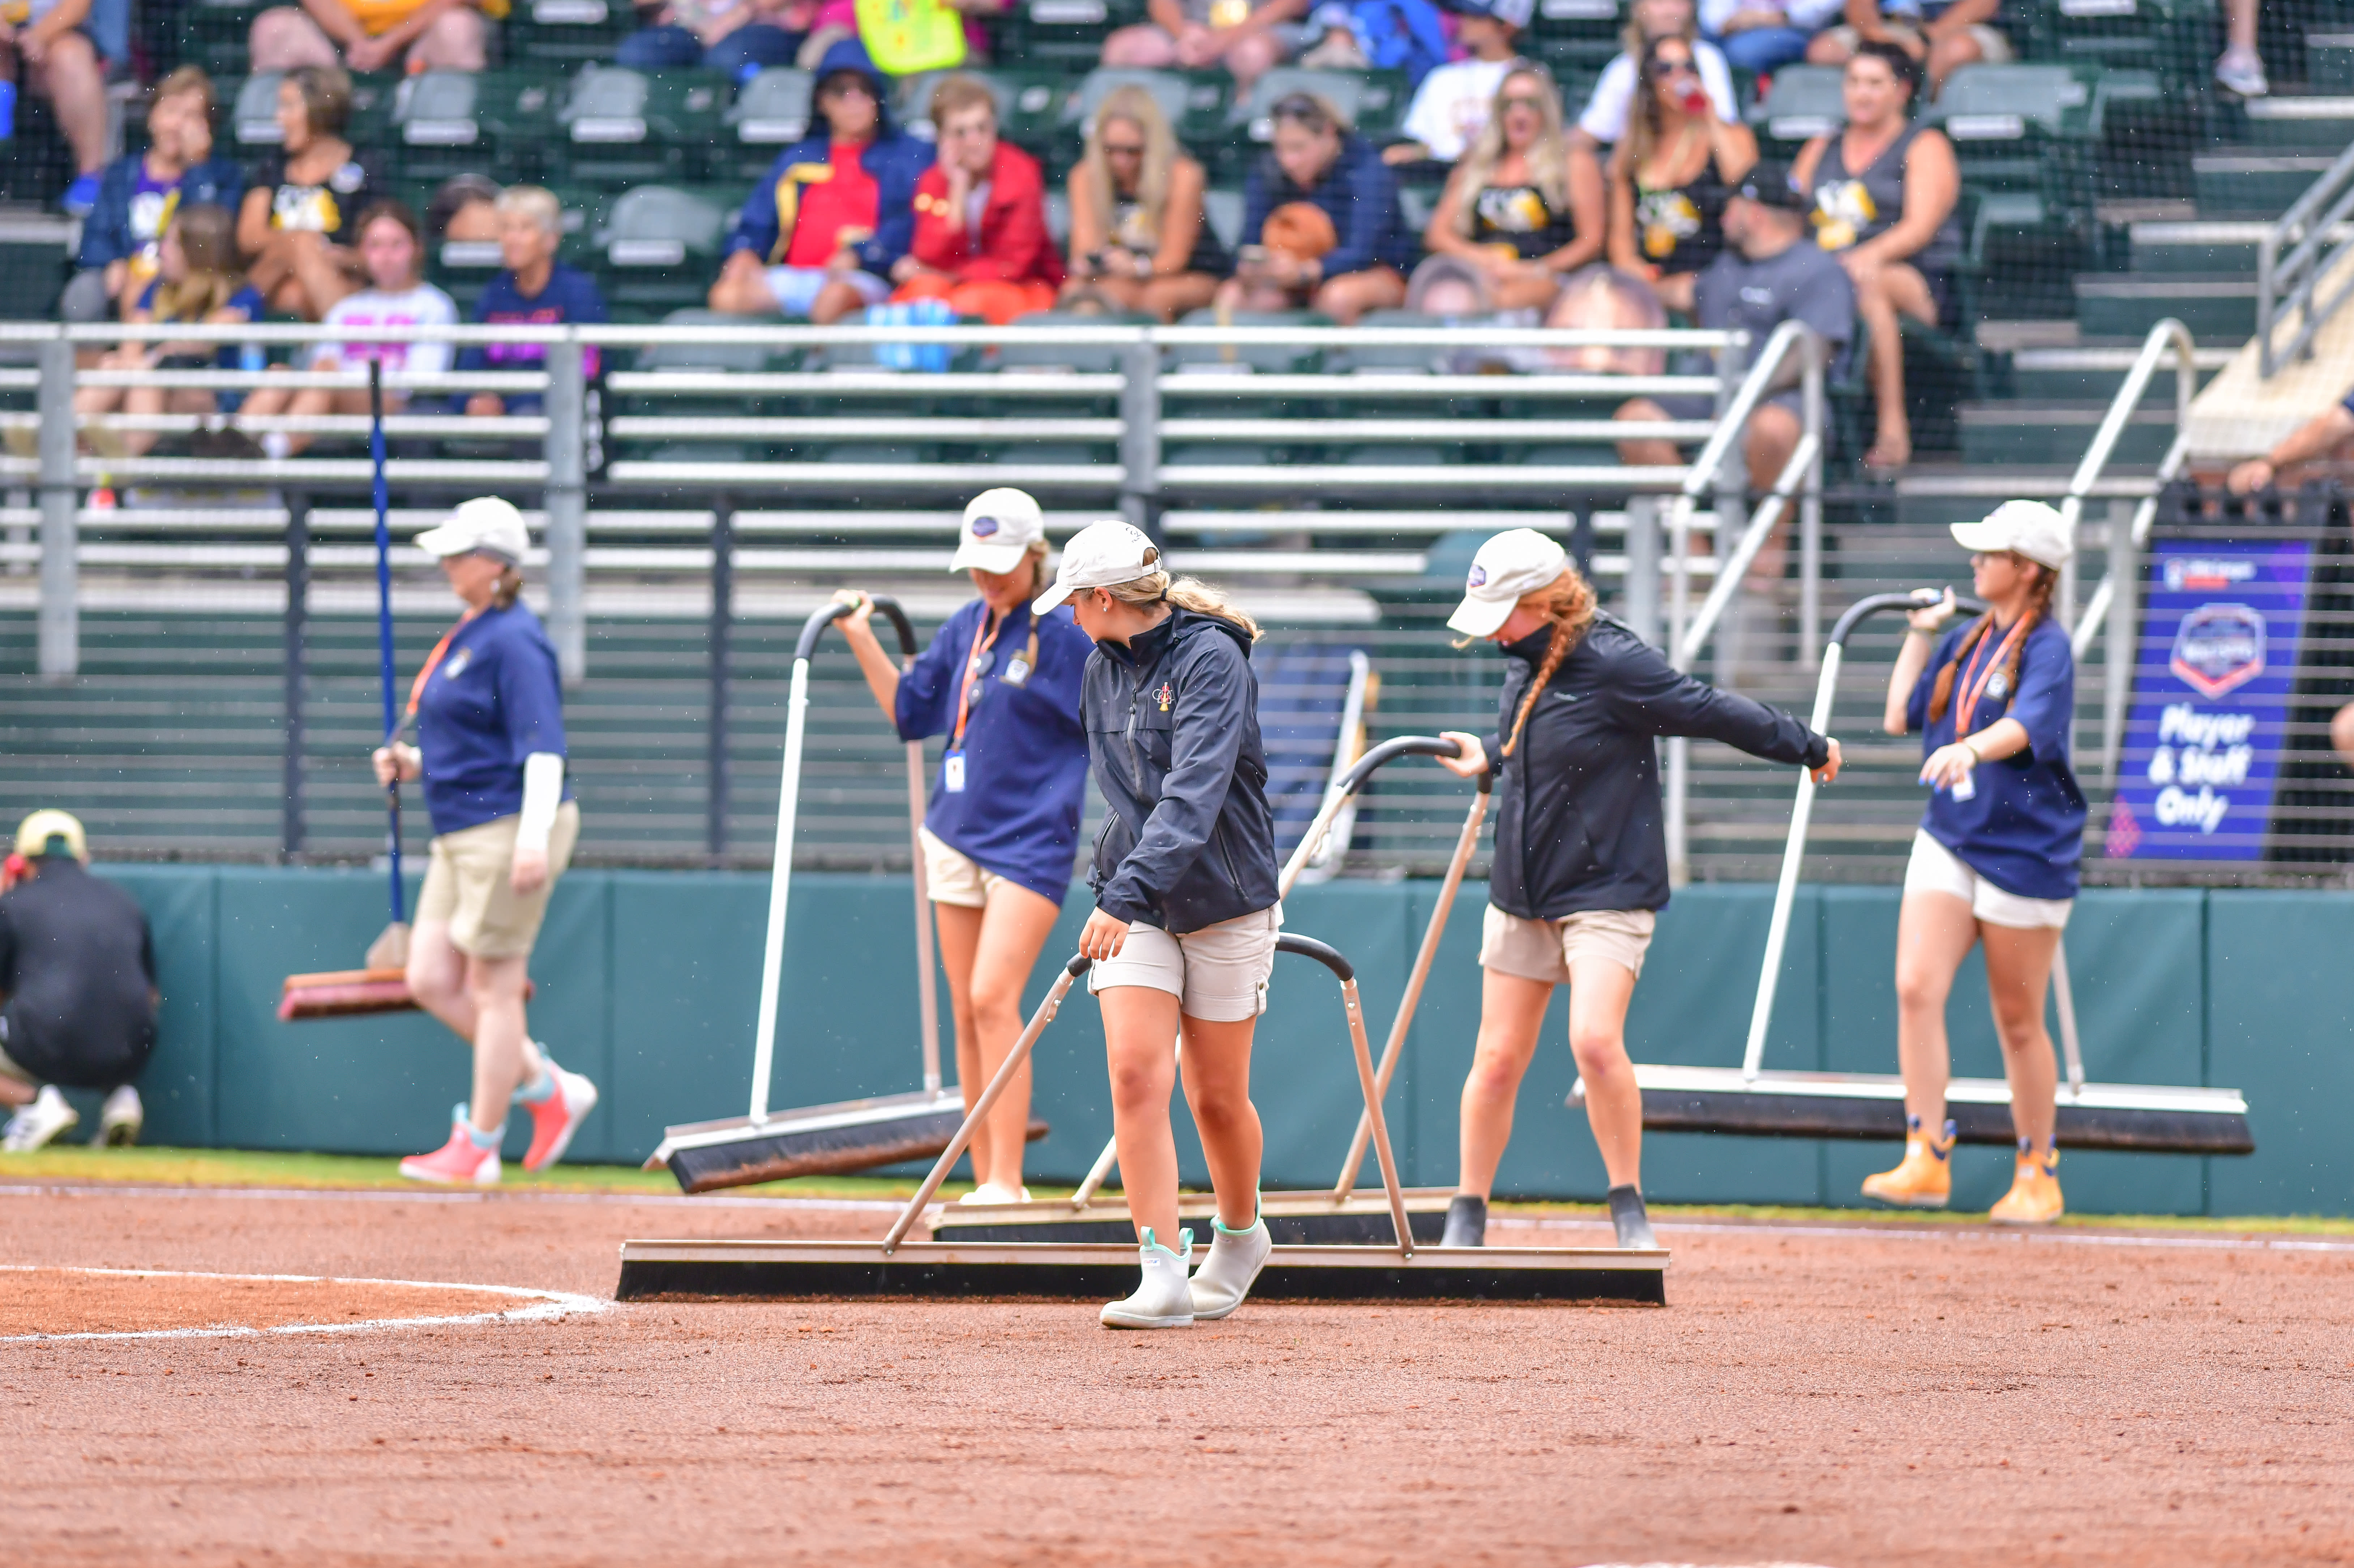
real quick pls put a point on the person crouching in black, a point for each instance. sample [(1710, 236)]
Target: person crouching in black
[(1581, 863), (78, 972)]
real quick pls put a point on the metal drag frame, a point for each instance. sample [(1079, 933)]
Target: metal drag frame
[(895, 1267)]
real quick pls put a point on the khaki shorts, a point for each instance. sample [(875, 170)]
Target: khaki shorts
[(466, 885), (1543, 950), (1934, 868), (952, 876), (1218, 974), (1994, 48)]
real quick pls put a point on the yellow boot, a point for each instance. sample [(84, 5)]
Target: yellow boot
[(1924, 1179), (2034, 1195)]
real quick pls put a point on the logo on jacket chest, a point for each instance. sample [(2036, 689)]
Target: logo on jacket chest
[(1163, 695), (457, 664)]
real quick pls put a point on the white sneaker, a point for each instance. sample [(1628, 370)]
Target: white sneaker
[(35, 1125), (995, 1192), (2243, 73), (1226, 1274), (1162, 1300), (121, 1118)]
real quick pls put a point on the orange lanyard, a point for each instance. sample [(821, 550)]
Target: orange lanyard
[(984, 637), (432, 663), (1972, 695)]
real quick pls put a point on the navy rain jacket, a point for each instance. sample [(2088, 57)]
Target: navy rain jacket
[(1172, 735)]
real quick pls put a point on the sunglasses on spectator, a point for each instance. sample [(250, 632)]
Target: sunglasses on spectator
[(1525, 100), (844, 85), (1664, 68), (1123, 149)]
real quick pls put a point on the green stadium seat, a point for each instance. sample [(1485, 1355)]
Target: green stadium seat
[(771, 112), (1195, 105), (253, 111), (568, 32), (1064, 35), (1374, 102), (1026, 104), (1574, 37), (1805, 101), (1223, 211), (617, 127), (452, 122), (658, 249)]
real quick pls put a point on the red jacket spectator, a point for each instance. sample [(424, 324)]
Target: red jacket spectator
[(1012, 244)]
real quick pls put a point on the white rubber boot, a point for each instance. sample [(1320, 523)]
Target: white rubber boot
[(1162, 1300), (1226, 1274)]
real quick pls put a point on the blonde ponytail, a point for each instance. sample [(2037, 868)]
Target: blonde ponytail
[(1185, 593)]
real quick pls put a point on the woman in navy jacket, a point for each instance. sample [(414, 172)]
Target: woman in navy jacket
[(1581, 861), (1995, 860), (1001, 682), (1186, 917)]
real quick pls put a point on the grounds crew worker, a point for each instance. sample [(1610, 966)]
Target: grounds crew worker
[(1581, 863), (77, 967)]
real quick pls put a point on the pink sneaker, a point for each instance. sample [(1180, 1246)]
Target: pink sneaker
[(555, 1120), (457, 1163)]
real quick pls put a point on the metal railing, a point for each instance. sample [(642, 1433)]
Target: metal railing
[(2295, 257)]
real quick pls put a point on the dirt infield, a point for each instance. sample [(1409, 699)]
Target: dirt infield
[(117, 1301), (1830, 1394)]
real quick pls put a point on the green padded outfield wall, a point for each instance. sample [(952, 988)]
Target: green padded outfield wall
[(648, 982)]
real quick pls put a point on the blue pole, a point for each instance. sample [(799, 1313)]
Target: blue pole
[(384, 628)]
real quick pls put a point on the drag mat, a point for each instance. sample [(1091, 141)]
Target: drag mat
[(1822, 1394)]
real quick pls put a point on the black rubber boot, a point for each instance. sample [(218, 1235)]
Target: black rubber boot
[(1630, 1219), (1467, 1222)]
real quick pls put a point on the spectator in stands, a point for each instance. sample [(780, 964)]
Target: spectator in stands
[(65, 49), (78, 969), (2312, 450), (1670, 176), (1940, 36), (1602, 299), (1768, 274), (392, 254), (296, 226), (2240, 69), (375, 35), (1319, 221), (737, 37), (1451, 106), (1615, 91), (196, 281), (819, 235), (981, 241), (533, 290), (463, 211), (1139, 237), (1193, 34), (1524, 206), (1764, 36), (1408, 36), (1885, 191), (140, 192)]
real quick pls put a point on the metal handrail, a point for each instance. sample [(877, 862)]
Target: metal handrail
[(2286, 284)]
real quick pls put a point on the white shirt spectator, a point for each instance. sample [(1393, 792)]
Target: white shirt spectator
[(1806, 15), (423, 305), (1451, 107), (1605, 118)]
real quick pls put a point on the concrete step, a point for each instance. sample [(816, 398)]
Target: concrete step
[(2330, 61), (2127, 304), (2095, 371), (2253, 185), (2307, 122), (2020, 433)]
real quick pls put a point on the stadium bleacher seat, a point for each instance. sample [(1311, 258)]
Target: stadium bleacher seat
[(568, 32), (617, 127), (1194, 104), (1373, 102), (657, 250), (1574, 37), (771, 112), (1804, 102), (1065, 35)]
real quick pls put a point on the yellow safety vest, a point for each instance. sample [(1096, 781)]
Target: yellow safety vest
[(905, 36)]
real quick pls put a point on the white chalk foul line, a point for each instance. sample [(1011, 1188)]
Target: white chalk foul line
[(542, 1306)]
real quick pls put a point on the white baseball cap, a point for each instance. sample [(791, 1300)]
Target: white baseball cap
[(1000, 526), (1510, 566), (1101, 555), (2027, 527), (485, 522)]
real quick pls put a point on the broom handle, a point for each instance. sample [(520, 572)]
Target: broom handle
[(1395, 1045), (383, 628)]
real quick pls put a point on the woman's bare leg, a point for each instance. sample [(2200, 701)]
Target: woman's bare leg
[(439, 980), (1013, 927), (495, 987), (1170, 298), (1138, 1025), (1599, 991), (959, 928), (1216, 1060), (1511, 1013), (1934, 933), (2019, 967)]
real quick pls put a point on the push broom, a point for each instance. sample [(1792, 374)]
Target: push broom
[(383, 985)]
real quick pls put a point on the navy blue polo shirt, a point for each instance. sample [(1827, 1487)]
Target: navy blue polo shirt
[(1025, 749), (493, 699), (2024, 830)]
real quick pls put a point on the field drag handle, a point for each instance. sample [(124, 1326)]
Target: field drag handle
[(1337, 793), (1078, 965), (825, 615), (1331, 958)]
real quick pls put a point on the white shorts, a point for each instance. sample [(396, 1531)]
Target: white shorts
[(952, 876), (1218, 974), (796, 289), (1934, 868)]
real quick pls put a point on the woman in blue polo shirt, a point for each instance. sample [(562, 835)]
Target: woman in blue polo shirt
[(1002, 685), (1995, 861), (490, 748)]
